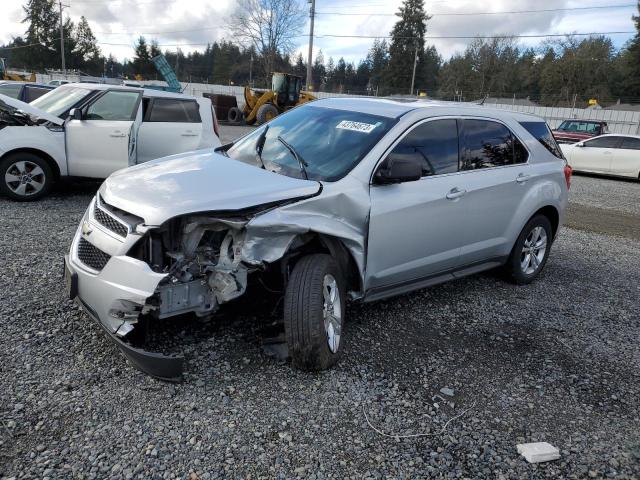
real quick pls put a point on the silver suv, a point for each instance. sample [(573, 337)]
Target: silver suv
[(338, 199)]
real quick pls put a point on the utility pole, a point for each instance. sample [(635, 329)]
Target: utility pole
[(413, 77), (251, 70), (64, 66), (312, 14)]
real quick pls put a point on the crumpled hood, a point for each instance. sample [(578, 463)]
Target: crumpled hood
[(33, 111), (198, 182)]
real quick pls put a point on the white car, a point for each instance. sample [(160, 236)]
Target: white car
[(612, 154), (92, 130)]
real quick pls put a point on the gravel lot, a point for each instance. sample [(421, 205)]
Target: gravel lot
[(555, 361)]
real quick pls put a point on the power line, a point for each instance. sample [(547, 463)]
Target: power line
[(455, 14), (467, 37)]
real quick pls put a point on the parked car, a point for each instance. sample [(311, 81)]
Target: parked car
[(57, 83), (339, 198), (23, 91), (92, 130), (572, 131), (613, 154)]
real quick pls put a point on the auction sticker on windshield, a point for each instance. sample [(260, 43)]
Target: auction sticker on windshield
[(356, 126)]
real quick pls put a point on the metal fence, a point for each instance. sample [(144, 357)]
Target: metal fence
[(619, 121)]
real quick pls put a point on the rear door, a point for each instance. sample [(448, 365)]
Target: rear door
[(105, 139), (170, 125), (595, 155), (626, 160), (495, 175)]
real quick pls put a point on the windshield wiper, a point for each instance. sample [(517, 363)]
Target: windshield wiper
[(260, 146), (297, 156)]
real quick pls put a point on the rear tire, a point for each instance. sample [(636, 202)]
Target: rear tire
[(25, 177), (266, 113), (314, 312), (531, 251), (234, 115)]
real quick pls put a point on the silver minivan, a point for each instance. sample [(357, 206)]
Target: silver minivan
[(336, 200)]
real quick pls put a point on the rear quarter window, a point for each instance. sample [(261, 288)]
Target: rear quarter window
[(542, 133), (174, 111)]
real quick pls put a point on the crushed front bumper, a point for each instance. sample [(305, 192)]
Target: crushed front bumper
[(122, 283)]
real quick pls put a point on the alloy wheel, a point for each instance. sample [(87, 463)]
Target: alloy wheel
[(533, 250), (332, 312), (25, 178)]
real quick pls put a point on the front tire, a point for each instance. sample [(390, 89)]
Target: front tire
[(25, 177), (266, 113), (314, 311), (531, 251)]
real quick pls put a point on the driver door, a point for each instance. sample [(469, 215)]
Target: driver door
[(417, 228), (104, 139)]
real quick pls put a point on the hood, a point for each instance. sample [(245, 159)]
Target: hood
[(33, 111), (198, 182)]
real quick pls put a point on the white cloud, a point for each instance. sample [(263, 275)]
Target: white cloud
[(117, 23)]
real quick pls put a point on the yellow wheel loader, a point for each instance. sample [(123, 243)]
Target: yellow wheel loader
[(14, 75), (263, 105)]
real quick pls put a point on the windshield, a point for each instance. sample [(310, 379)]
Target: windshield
[(60, 100), (579, 127), (330, 142)]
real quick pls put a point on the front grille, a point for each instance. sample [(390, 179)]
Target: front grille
[(91, 255), (109, 222)]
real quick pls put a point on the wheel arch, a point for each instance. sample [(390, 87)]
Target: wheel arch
[(314, 242), (55, 168), (552, 214)]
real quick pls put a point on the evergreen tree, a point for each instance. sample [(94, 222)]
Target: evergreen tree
[(86, 52), (407, 41), (630, 64), (141, 57), (319, 71), (378, 59), (43, 19)]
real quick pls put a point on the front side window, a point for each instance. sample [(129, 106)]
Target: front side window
[(328, 142), (114, 105), (11, 89), (31, 93), (541, 132), (603, 142), (631, 143), (173, 110), (59, 101), (435, 143), (490, 144)]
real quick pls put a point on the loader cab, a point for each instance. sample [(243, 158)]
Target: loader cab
[(287, 88)]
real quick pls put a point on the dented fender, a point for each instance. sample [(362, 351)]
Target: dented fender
[(340, 211)]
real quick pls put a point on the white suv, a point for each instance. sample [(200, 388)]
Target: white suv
[(92, 130)]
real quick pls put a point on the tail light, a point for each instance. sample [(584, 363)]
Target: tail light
[(567, 175), (216, 126)]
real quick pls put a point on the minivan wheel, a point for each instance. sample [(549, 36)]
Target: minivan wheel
[(314, 308), (530, 253), (25, 176)]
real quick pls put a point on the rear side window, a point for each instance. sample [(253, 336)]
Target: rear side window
[(631, 143), (603, 142), (542, 133), (173, 110), (490, 144), (31, 93), (436, 143)]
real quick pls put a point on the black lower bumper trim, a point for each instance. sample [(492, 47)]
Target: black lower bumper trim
[(162, 367)]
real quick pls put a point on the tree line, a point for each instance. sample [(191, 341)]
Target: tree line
[(566, 71)]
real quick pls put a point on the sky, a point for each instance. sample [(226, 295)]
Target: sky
[(192, 23)]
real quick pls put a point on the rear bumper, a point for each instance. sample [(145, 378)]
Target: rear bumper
[(124, 284)]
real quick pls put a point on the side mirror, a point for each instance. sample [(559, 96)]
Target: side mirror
[(580, 144), (399, 168), (75, 114)]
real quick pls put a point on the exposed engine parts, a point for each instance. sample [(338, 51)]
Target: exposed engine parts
[(204, 265)]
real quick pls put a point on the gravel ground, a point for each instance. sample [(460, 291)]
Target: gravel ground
[(607, 193), (555, 361)]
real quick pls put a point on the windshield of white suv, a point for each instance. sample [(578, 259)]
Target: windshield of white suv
[(312, 142), (60, 100)]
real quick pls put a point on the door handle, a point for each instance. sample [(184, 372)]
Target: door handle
[(455, 193), (118, 135), (607, 153), (189, 134), (523, 177)]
